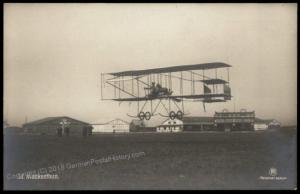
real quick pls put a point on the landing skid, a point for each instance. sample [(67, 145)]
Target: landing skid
[(132, 116), (163, 115), (139, 117), (172, 115)]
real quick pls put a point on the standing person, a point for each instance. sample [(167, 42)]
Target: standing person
[(67, 131), (90, 130), (59, 131), (84, 131)]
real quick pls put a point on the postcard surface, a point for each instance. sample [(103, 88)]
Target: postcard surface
[(150, 96)]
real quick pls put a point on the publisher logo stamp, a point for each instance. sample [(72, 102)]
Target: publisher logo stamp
[(273, 175), (273, 172)]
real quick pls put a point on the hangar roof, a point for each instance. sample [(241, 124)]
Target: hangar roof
[(197, 120), (117, 121), (258, 120), (50, 119)]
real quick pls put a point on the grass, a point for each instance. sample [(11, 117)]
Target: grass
[(170, 161)]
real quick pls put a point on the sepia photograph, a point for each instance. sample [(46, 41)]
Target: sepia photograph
[(150, 96)]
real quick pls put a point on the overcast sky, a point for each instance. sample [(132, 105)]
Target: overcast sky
[(54, 54)]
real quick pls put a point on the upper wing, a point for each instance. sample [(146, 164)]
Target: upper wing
[(203, 66), (204, 97), (214, 81)]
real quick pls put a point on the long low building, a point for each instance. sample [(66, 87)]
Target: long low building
[(170, 125), (198, 123), (221, 121), (137, 125), (235, 121), (114, 126), (12, 130), (58, 125), (264, 124)]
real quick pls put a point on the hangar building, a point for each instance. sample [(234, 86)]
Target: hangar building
[(136, 125), (198, 123), (170, 125), (274, 124), (54, 125), (114, 126), (264, 124), (235, 121), (12, 130), (260, 124)]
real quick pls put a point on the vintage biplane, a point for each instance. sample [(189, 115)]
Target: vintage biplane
[(168, 87)]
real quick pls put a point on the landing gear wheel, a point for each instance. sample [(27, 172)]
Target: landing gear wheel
[(141, 115), (179, 115), (147, 116), (172, 115)]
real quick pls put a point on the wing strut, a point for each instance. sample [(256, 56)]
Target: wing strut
[(120, 89)]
